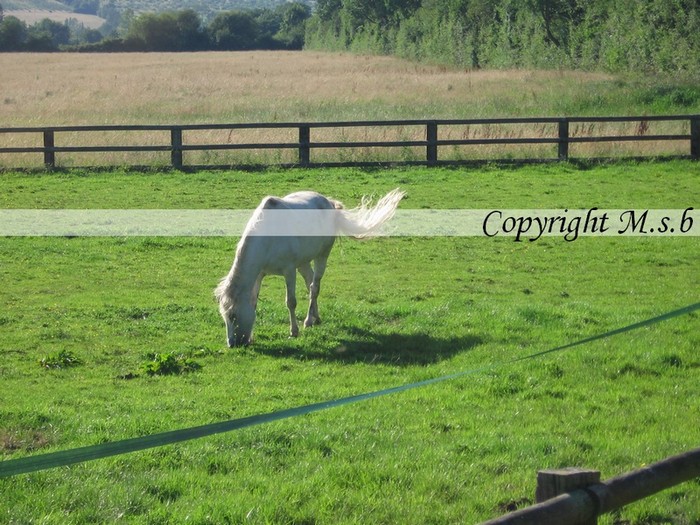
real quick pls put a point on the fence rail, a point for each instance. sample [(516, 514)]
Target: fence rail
[(304, 145), (582, 504)]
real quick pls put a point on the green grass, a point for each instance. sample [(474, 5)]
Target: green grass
[(396, 310)]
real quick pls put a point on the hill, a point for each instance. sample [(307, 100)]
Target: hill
[(32, 16), (205, 8), (30, 5)]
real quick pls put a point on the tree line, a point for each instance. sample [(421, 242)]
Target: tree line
[(614, 35), (278, 28)]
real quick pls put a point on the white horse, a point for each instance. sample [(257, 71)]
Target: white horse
[(286, 234)]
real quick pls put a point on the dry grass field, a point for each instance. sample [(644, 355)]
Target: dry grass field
[(261, 86), (32, 16), (185, 88)]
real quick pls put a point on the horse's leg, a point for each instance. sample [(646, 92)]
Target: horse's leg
[(307, 273), (312, 317), (256, 291), (291, 279)]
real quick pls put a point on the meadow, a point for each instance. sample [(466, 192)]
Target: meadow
[(33, 16), (86, 323), (194, 88), (396, 310)]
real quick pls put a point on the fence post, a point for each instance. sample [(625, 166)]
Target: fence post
[(431, 135), (553, 483), (49, 153), (304, 148), (695, 137), (176, 147), (563, 139)]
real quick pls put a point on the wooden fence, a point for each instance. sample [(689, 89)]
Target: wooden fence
[(560, 139), (577, 497)]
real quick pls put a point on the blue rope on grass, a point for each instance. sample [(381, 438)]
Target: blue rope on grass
[(63, 458)]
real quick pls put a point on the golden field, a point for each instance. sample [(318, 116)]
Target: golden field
[(33, 16), (227, 87)]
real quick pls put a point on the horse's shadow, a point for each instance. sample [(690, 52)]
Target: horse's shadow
[(362, 346)]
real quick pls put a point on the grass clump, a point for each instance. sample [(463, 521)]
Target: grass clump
[(169, 364), (61, 359)]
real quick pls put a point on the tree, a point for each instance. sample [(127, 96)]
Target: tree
[(328, 9), (47, 31), (234, 31), (191, 35), (292, 28), (169, 31), (91, 36), (154, 32), (13, 34), (557, 16), (116, 22), (269, 22), (381, 13)]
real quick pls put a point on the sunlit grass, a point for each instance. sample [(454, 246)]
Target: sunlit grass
[(395, 310)]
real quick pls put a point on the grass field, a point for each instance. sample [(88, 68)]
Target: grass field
[(395, 310), (184, 88), (34, 16)]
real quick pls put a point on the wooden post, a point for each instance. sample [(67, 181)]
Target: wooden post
[(49, 153), (431, 135), (176, 148), (553, 483), (304, 148), (695, 137), (563, 139)]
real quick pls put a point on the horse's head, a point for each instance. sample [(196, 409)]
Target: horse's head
[(239, 315), (239, 321)]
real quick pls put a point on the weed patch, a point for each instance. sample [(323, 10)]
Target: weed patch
[(62, 359), (169, 364)]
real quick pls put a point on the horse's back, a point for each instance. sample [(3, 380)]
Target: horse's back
[(302, 200), (284, 240)]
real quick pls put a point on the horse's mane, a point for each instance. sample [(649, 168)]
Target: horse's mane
[(226, 292), (223, 295)]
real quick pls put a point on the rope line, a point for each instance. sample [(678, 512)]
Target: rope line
[(63, 458)]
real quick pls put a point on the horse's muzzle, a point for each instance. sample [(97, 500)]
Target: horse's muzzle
[(238, 341)]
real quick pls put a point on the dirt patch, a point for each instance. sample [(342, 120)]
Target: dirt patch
[(27, 440)]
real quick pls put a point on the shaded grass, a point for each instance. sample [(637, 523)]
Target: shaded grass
[(395, 310)]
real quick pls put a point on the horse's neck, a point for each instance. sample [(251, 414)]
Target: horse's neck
[(246, 268)]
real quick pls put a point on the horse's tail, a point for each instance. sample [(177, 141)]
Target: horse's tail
[(365, 220)]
